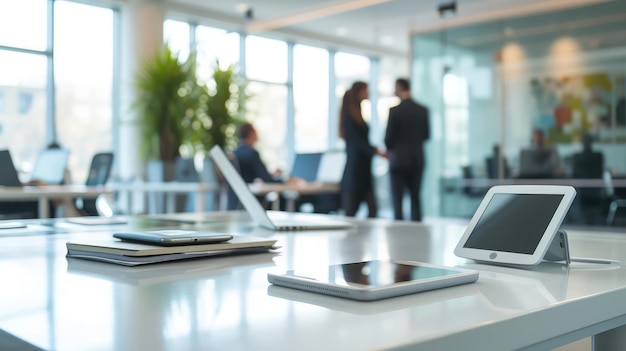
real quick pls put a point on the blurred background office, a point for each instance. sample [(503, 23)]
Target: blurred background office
[(490, 72)]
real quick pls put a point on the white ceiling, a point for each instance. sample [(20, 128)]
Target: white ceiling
[(380, 26)]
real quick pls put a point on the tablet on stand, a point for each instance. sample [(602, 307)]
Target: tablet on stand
[(519, 225)]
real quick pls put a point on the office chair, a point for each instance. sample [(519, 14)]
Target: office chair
[(10, 178), (617, 200), (471, 191), (591, 201), (99, 171), (307, 166), (493, 167)]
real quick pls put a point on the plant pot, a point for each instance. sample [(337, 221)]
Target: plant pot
[(159, 171)]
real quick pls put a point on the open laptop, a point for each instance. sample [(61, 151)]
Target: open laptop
[(254, 208), (50, 166), (8, 175)]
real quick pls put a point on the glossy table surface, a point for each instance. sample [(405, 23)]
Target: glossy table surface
[(226, 303)]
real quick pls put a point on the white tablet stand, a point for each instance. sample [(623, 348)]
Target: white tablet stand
[(559, 251), (559, 248)]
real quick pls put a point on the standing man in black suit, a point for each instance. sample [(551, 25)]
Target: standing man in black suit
[(407, 129)]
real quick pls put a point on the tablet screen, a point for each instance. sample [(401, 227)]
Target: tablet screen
[(514, 222), (375, 273)]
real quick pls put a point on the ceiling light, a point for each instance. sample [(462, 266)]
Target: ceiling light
[(447, 10)]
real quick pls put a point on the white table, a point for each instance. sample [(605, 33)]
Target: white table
[(45, 193), (227, 304)]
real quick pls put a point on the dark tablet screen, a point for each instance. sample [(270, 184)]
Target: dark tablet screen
[(376, 273), (514, 222)]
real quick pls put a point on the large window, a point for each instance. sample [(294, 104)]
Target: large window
[(176, 35), (455, 98), (266, 108), (24, 23), (310, 86), (83, 73), (350, 68), (214, 45), (23, 89), (266, 59)]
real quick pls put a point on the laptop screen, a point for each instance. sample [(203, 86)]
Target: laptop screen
[(305, 166), (50, 166)]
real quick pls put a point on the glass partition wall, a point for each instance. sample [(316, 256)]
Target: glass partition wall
[(534, 100)]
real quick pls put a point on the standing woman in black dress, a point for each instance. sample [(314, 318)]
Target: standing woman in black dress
[(357, 183)]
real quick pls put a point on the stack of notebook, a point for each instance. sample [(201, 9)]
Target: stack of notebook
[(134, 254)]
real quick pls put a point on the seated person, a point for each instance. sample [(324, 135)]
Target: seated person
[(541, 160), (589, 164), (493, 163), (251, 167)]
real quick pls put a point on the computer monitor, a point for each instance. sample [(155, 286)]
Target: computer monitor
[(331, 167), (537, 163)]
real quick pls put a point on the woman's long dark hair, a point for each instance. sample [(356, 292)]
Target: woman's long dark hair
[(351, 106)]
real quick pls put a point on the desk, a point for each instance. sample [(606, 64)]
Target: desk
[(577, 183), (48, 192), (170, 189), (291, 192), (453, 191), (227, 304)]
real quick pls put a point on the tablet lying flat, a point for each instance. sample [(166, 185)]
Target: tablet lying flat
[(515, 224), (374, 280)]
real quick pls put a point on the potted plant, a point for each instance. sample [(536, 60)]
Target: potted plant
[(215, 123), (221, 104), (167, 96)]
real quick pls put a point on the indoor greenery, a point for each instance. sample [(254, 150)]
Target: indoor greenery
[(221, 103), (167, 96)]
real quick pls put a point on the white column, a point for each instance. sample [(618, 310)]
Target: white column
[(141, 36)]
